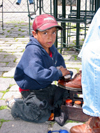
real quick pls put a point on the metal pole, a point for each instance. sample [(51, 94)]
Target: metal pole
[(55, 15), (85, 15), (51, 7), (78, 24), (2, 15), (29, 17), (97, 4), (63, 24), (39, 6)]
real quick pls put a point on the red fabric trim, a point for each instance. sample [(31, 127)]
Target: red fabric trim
[(50, 54), (20, 90)]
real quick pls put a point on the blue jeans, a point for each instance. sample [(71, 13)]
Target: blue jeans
[(91, 78), (19, 1)]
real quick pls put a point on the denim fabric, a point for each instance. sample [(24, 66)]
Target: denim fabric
[(90, 54), (19, 1), (91, 78)]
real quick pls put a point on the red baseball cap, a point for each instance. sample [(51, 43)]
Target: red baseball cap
[(44, 22)]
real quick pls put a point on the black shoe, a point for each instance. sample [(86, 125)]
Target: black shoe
[(61, 119), (17, 3)]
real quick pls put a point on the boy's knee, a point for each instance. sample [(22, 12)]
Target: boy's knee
[(30, 113)]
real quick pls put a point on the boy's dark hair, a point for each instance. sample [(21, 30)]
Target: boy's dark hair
[(36, 31)]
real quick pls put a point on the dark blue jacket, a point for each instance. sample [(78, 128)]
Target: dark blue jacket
[(36, 69)]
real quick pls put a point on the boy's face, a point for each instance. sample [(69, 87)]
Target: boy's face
[(46, 38)]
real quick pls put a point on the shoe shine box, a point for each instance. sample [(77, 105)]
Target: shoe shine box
[(75, 113)]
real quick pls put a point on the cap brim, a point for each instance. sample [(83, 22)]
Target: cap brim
[(49, 26)]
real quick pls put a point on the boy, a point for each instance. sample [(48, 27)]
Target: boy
[(40, 65)]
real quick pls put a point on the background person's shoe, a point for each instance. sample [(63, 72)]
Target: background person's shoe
[(91, 126), (73, 84), (31, 3), (17, 3)]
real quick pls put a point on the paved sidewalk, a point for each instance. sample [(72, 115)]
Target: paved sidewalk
[(13, 40)]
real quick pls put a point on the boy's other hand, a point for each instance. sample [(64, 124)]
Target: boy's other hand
[(63, 70)]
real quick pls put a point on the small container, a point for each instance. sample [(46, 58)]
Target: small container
[(77, 104), (68, 102), (51, 118)]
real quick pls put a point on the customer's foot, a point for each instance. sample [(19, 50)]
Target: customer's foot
[(91, 126), (73, 84)]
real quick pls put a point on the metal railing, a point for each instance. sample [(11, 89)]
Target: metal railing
[(72, 15), (1, 8)]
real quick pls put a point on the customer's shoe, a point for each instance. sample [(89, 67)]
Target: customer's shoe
[(72, 84), (91, 126)]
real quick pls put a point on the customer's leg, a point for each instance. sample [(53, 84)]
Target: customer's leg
[(91, 90), (91, 82)]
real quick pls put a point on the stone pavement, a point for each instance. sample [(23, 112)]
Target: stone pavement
[(13, 40)]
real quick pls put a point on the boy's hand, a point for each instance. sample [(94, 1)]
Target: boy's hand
[(63, 70)]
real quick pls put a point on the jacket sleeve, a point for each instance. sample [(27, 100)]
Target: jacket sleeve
[(32, 65)]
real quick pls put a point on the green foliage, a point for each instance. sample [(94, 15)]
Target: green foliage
[(75, 57), (19, 29), (3, 107), (70, 121)]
